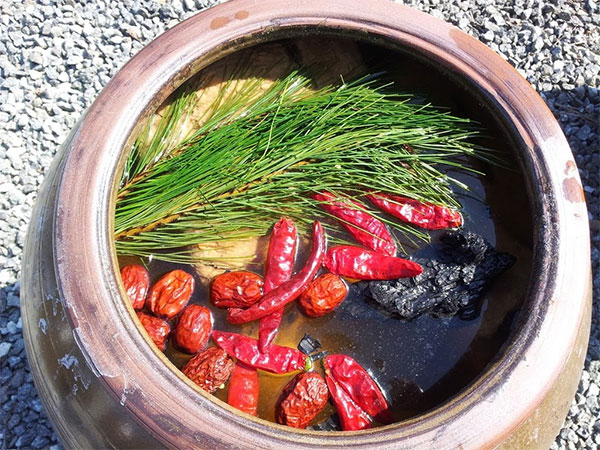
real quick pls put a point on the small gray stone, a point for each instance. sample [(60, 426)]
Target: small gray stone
[(539, 44), (74, 59), (592, 404), (4, 348), (488, 36), (572, 436), (584, 132)]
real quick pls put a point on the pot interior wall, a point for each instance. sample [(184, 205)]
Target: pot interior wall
[(428, 361)]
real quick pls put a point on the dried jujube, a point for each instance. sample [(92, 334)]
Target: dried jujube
[(170, 294), (193, 328), (323, 295), (157, 329), (301, 400), (209, 369), (136, 281), (236, 289)]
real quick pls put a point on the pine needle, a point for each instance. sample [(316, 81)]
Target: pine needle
[(260, 155)]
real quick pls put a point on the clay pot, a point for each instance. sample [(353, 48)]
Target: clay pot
[(101, 382)]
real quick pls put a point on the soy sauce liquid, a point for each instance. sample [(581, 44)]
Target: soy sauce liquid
[(421, 363)]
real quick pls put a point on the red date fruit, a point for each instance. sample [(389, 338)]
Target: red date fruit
[(236, 289), (136, 281), (301, 400), (193, 328), (210, 369), (323, 295), (170, 294), (157, 329)]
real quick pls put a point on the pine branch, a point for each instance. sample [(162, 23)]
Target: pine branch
[(258, 157)]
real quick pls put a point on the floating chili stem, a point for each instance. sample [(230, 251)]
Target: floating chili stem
[(415, 212), (278, 269), (364, 227), (288, 291)]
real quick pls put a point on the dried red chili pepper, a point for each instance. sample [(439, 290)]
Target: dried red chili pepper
[(170, 294), (267, 329), (359, 385), (278, 269), (136, 281), (157, 329), (323, 295), (277, 360), (210, 369), (364, 227), (193, 328), (352, 417), (236, 289), (415, 212), (243, 389), (355, 262), (288, 291), (301, 400)]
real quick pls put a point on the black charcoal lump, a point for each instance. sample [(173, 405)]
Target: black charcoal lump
[(449, 284)]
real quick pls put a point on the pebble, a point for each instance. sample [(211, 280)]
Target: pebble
[(56, 55), (4, 348)]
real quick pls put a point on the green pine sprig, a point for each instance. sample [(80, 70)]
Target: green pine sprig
[(259, 155)]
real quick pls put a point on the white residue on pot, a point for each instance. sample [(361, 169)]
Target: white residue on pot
[(70, 362), (43, 325)]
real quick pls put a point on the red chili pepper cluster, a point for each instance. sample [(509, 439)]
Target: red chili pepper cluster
[(378, 261), (249, 297), (290, 290), (421, 214), (364, 227)]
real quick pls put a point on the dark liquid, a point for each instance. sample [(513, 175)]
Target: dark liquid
[(421, 363)]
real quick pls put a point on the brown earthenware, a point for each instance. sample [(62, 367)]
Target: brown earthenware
[(104, 386)]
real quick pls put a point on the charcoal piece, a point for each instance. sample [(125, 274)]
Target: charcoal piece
[(309, 344), (316, 356), (331, 424), (450, 284)]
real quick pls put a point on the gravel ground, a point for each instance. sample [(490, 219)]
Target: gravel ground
[(55, 56)]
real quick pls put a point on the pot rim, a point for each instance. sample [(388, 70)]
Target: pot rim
[(485, 412)]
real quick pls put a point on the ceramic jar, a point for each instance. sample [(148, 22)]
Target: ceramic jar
[(104, 386)]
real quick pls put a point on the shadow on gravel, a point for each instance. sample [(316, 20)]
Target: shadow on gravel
[(23, 422), (578, 112)]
